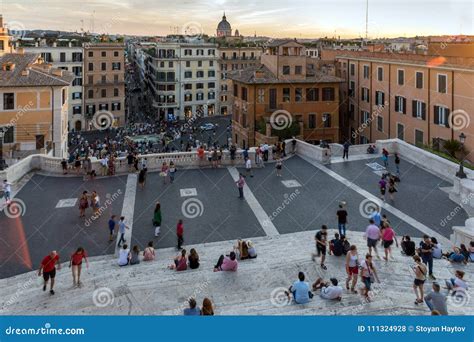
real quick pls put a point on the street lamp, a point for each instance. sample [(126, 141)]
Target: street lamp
[(3, 164), (324, 131), (460, 173)]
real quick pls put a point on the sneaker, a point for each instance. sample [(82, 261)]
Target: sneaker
[(51, 292), (432, 277), (44, 287), (324, 267)]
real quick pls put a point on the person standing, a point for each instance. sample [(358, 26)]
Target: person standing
[(248, 167), (321, 242), (372, 233), (172, 172), (385, 155), (368, 275), (341, 220), (278, 167), (122, 226), (75, 263), (352, 268), (382, 187), (345, 153), (180, 234), (397, 164), (265, 148), (420, 278), (388, 236), (164, 172), (7, 190), (157, 218), (142, 178), (83, 204), (240, 185), (426, 251), (105, 166), (112, 224), (48, 269), (391, 188)]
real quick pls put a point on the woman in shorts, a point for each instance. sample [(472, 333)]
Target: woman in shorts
[(388, 236), (368, 275), (83, 204), (420, 278), (75, 263), (352, 268)]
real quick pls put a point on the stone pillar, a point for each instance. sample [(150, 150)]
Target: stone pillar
[(463, 234)]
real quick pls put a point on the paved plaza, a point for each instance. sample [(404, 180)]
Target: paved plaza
[(305, 197)]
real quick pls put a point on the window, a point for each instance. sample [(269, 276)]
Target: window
[(379, 123), (188, 52), (90, 109), (366, 71), (8, 101), (298, 94), (312, 121), (91, 54), (116, 53), (244, 93), (298, 70), (103, 93), (199, 64), (351, 88), (199, 74), (326, 120), (91, 67), (116, 92), (62, 57), (364, 117), (90, 94), (104, 54), (328, 94), (286, 70), (104, 106), (286, 94), (116, 78), (188, 64), (352, 69), (104, 79), (63, 96), (211, 63), (77, 110), (188, 97), (188, 74), (115, 66), (77, 71), (9, 137), (419, 80), (419, 140), (188, 86), (401, 77), (77, 82), (400, 104), (312, 94), (419, 109), (211, 95), (351, 111), (104, 66), (379, 98), (115, 106), (170, 64), (77, 57), (261, 95), (90, 79), (365, 94), (77, 96), (400, 131), (211, 85), (441, 115), (170, 76), (236, 90), (199, 85), (380, 74), (442, 84), (211, 73), (199, 96)]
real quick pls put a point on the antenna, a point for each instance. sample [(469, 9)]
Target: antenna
[(367, 20)]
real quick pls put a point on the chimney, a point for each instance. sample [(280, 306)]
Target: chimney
[(57, 72), (25, 72)]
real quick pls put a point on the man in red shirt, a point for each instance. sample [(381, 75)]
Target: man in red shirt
[(48, 268), (179, 233)]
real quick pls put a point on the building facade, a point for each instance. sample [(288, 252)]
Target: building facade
[(285, 84), (104, 82), (416, 98), (182, 79), (34, 106), (231, 59), (66, 54)]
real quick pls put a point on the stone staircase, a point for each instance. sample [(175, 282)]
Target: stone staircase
[(255, 289)]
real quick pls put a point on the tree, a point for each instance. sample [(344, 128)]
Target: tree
[(452, 147)]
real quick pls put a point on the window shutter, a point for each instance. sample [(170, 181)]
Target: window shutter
[(436, 115), (383, 99), (404, 105), (423, 111), (413, 107), (362, 94), (361, 116), (447, 117), (397, 107)]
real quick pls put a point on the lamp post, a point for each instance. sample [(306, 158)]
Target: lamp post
[(3, 164), (460, 173), (324, 118)]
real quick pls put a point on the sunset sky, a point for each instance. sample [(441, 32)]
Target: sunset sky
[(276, 18)]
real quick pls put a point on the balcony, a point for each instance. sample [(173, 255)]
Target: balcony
[(156, 104)]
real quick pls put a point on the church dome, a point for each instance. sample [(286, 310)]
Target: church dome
[(224, 26)]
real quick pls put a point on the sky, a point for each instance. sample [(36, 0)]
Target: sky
[(275, 18)]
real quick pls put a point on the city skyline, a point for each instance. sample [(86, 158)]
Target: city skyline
[(267, 18)]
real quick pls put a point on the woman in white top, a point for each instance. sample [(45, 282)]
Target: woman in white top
[(352, 268), (437, 251), (368, 274), (124, 256)]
